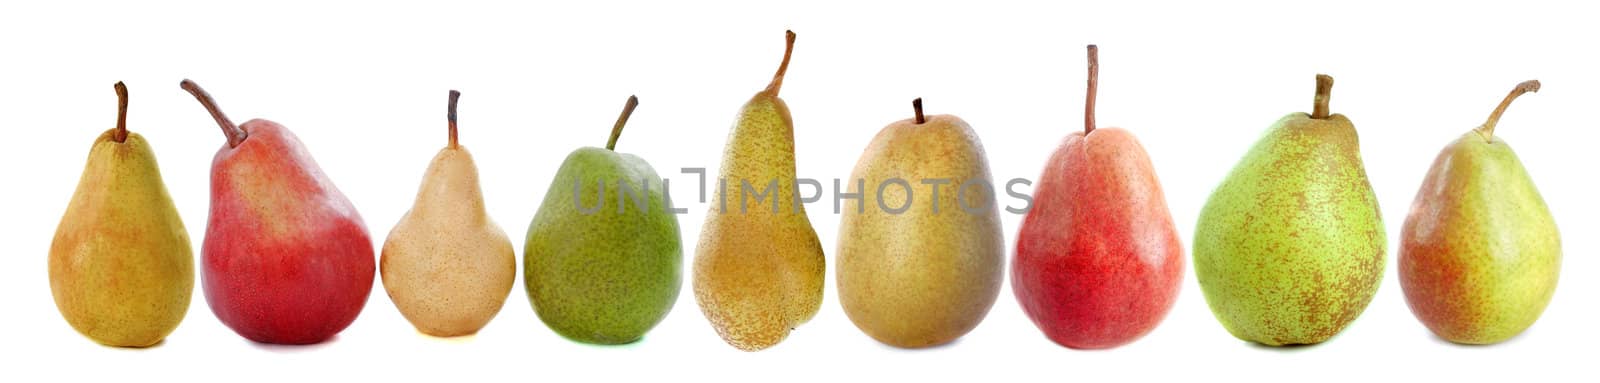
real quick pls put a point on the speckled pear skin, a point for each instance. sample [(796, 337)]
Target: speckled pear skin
[(1289, 248), (121, 265), (920, 278), (446, 265), (1480, 253), (758, 274), (610, 275)]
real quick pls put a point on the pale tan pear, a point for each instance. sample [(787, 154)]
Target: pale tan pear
[(446, 265), (759, 269)]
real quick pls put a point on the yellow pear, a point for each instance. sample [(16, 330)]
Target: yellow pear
[(446, 265), (121, 267), (758, 269), (920, 266)]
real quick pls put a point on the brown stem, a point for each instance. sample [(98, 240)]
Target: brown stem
[(235, 135), (1319, 108), (616, 130), (917, 105), (454, 143), (1487, 130), (1094, 85), (777, 79), (122, 113)]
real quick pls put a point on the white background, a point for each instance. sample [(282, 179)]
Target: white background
[(364, 85)]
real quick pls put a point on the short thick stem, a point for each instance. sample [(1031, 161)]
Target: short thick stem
[(916, 105), (122, 113), (1094, 87), (777, 79), (451, 116), (235, 135), (1319, 108), (616, 130), (1487, 130)]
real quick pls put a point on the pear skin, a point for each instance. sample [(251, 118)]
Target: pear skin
[(121, 266), (446, 265), (929, 274), (1479, 253), (1289, 248), (758, 273)]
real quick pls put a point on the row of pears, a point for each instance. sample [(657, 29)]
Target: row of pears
[(1289, 249)]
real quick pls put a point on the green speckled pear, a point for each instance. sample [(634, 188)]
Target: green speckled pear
[(603, 262), (1289, 248)]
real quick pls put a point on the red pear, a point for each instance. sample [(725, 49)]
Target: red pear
[(286, 258), (1098, 261)]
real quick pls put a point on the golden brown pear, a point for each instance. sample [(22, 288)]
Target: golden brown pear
[(758, 270)]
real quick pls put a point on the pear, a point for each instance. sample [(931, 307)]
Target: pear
[(758, 271), (286, 258), (1479, 252), (597, 272), (1289, 248), (121, 267), (1098, 260), (918, 267), (446, 265)]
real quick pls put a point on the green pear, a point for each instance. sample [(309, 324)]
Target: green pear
[(759, 269), (1289, 248), (604, 262), (446, 265), (1479, 253), (121, 266)]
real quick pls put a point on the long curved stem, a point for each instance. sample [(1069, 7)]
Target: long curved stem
[(235, 135), (122, 113), (1487, 129), (616, 130), (451, 116), (1319, 108), (777, 79)]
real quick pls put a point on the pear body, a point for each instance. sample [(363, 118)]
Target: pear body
[(758, 268), (121, 266), (286, 259), (603, 258), (920, 277), (1479, 252), (446, 265), (1099, 262), (1289, 248)]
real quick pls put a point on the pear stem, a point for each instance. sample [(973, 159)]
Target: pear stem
[(616, 130), (451, 115), (917, 105), (1094, 87), (122, 113), (777, 79), (1319, 108), (1487, 130), (235, 135)]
